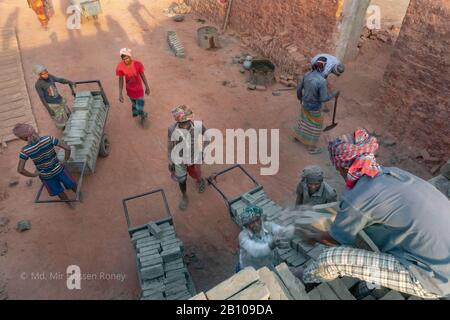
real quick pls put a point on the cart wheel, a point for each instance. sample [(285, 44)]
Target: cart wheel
[(105, 147)]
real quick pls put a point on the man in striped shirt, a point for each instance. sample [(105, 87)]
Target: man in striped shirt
[(48, 168)]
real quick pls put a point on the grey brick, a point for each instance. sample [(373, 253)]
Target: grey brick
[(144, 248), (152, 272), (179, 276), (316, 251), (392, 295), (184, 295), (147, 253), (172, 254), (173, 290), (176, 273), (296, 260), (180, 260), (155, 229), (152, 262), (155, 296), (172, 246), (340, 289), (174, 267)]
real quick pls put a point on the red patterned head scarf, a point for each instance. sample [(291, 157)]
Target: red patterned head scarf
[(182, 114), (355, 152)]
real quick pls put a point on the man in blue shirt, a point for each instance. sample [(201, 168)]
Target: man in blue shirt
[(48, 168), (405, 216)]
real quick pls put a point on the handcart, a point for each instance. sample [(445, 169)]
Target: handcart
[(100, 143), (89, 8)]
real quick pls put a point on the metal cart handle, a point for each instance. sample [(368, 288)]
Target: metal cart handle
[(98, 82), (211, 179), (125, 207)]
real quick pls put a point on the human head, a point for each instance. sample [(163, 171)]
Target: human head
[(339, 69), (313, 176), (25, 132), (320, 64), (41, 71), (353, 155), (183, 115), (125, 54), (251, 218)]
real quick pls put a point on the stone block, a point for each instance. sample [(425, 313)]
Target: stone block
[(340, 289), (171, 254), (153, 272), (325, 292), (233, 285), (296, 260), (175, 289), (256, 291), (154, 296), (393, 295), (294, 285), (199, 296), (316, 251), (154, 230), (173, 267), (349, 282), (274, 284), (176, 273)]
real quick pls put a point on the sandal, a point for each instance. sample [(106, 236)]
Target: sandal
[(201, 185)]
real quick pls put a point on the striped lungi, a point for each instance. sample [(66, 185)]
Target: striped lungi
[(309, 126)]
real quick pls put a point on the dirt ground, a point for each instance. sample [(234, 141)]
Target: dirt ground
[(94, 236)]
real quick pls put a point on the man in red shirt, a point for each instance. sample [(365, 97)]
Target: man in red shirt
[(133, 72)]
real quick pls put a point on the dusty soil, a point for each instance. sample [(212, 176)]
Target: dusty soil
[(94, 236)]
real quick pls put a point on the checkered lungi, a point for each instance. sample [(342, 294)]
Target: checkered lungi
[(377, 268)]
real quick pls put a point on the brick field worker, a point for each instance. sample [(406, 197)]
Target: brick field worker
[(43, 9), (133, 72), (183, 125), (48, 168), (258, 239), (312, 190), (55, 104), (405, 216), (312, 93), (333, 66)]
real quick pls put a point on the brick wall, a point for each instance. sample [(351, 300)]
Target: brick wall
[(286, 31), (417, 82)]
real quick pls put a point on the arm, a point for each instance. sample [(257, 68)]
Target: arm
[(61, 80), (170, 146), (321, 237), (299, 200), (21, 169), (121, 89), (323, 93), (300, 90), (66, 148), (144, 79)]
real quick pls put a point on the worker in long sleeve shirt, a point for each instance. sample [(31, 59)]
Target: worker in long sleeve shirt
[(258, 239)]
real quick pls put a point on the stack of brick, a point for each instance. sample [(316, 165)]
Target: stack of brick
[(442, 181), (175, 44), (264, 284), (84, 130), (162, 272)]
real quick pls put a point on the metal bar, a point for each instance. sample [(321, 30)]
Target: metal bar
[(77, 194), (125, 207)]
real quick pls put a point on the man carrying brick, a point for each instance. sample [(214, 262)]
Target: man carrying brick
[(186, 133), (55, 104), (258, 239), (333, 66), (312, 190), (405, 217), (48, 168), (133, 72)]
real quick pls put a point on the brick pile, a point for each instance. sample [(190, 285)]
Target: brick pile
[(162, 272), (175, 44), (84, 130), (442, 181)]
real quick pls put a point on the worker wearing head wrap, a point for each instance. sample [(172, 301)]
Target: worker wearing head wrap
[(184, 139), (312, 93), (131, 72), (405, 217), (258, 239), (55, 104), (48, 167), (312, 190), (333, 66)]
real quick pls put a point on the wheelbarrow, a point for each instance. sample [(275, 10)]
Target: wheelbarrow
[(84, 167)]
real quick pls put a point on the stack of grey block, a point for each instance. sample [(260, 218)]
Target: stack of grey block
[(175, 44), (84, 131), (162, 272)]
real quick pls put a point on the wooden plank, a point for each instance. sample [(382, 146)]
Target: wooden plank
[(294, 285), (233, 285), (257, 291), (13, 114), (276, 287)]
